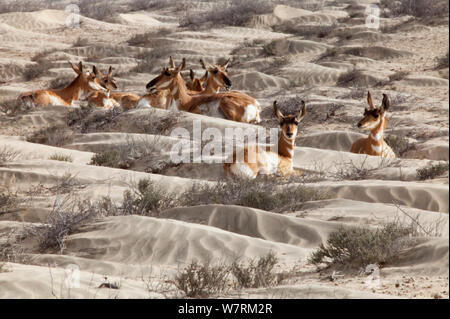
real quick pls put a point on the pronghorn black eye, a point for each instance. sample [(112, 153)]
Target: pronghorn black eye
[(296, 123), (375, 115), (167, 73), (215, 71)]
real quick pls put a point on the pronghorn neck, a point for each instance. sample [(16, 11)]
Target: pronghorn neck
[(286, 146), (376, 136), (73, 92), (212, 84), (178, 90)]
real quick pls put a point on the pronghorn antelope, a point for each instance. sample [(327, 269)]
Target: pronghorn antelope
[(260, 159), (83, 86), (233, 105), (126, 100), (195, 84), (217, 77), (374, 120)]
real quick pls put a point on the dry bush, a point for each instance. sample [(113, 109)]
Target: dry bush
[(398, 76), (8, 154), (147, 39), (77, 115), (102, 10), (307, 31), (146, 199), (399, 144), (36, 70), (68, 214), (352, 171), (80, 42), (356, 247), (354, 78), (432, 171), (149, 61), (416, 8), (233, 13), (442, 62), (53, 136), (28, 5), (61, 82), (135, 5), (112, 158), (201, 281), (61, 158), (265, 193), (8, 202), (10, 107), (157, 125), (257, 273)]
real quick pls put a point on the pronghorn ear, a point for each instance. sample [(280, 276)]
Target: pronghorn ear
[(203, 64), (181, 66), (386, 103), (95, 70), (110, 71), (171, 62), (75, 68), (204, 77), (191, 74), (80, 66), (369, 100), (301, 111), (225, 65), (277, 112)]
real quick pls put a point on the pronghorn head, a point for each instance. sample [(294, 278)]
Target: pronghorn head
[(107, 80), (88, 79), (218, 72), (373, 115), (196, 84), (168, 77), (289, 124)]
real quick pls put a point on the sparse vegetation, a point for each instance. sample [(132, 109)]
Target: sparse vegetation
[(233, 13), (8, 154), (148, 60), (37, 69), (8, 202), (356, 247), (442, 62), (80, 42), (416, 8), (257, 273), (53, 136), (399, 144), (307, 31), (354, 77), (111, 158), (61, 82), (68, 214), (201, 281), (432, 171), (148, 39), (102, 10), (10, 107), (61, 157)]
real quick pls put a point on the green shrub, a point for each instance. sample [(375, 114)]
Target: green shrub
[(432, 171)]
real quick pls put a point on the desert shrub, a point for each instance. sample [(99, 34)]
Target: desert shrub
[(307, 31), (53, 136), (157, 125), (442, 62), (37, 69), (8, 154), (417, 8), (398, 76), (257, 273), (68, 214), (201, 281), (399, 144), (111, 158), (10, 106), (28, 5), (61, 82), (148, 61), (432, 171), (8, 201), (147, 39), (61, 157), (146, 198), (356, 247), (65, 183), (358, 171), (263, 193), (150, 4), (80, 42), (233, 12), (76, 115), (102, 10)]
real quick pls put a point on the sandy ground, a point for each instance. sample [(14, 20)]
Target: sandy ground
[(142, 252)]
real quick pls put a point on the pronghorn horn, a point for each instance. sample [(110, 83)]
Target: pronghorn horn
[(181, 66), (191, 74), (301, 111), (369, 100), (225, 65), (110, 71), (80, 66), (386, 103), (95, 70), (277, 111), (171, 62), (74, 67)]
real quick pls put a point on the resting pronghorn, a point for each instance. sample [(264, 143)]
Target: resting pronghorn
[(374, 120), (217, 77), (84, 85), (195, 84), (234, 105), (260, 159), (126, 100)]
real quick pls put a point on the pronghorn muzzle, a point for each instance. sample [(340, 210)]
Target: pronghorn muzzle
[(227, 82)]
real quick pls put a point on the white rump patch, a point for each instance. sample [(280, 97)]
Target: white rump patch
[(242, 170), (251, 113), (143, 103), (54, 100), (272, 163), (376, 148)]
